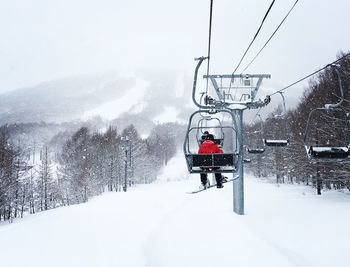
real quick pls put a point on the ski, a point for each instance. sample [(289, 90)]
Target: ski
[(211, 186)]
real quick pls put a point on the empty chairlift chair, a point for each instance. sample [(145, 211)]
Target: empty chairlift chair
[(326, 135), (284, 141), (258, 147)]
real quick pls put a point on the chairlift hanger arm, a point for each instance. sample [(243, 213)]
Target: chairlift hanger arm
[(254, 93), (200, 61), (336, 67), (210, 102), (284, 104)]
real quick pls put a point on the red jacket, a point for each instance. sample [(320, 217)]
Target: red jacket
[(209, 147)]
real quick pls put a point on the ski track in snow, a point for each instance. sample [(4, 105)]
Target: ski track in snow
[(194, 233), (299, 230), (292, 257), (161, 225), (205, 232)]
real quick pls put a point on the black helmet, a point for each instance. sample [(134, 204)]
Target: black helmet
[(205, 135)]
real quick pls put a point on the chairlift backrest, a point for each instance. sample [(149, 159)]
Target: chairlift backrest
[(255, 150), (329, 152), (276, 143), (203, 127)]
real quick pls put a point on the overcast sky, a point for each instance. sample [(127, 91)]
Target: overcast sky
[(43, 40)]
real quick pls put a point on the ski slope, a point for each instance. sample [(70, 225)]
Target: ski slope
[(160, 225)]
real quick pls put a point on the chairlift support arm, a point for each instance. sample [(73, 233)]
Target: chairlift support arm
[(336, 67), (200, 61), (254, 92), (216, 87)]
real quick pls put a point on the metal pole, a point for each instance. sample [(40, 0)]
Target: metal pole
[(131, 166), (126, 170), (318, 175), (125, 141), (238, 184)]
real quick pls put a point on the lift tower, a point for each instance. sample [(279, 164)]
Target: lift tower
[(234, 94)]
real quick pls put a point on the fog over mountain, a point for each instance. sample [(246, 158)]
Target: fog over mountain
[(143, 99)]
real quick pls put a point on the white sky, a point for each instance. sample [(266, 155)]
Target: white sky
[(44, 40)]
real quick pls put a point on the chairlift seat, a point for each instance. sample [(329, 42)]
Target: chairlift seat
[(328, 152), (256, 150), (276, 143), (211, 163), (247, 160)]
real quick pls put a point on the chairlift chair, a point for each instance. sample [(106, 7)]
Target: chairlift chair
[(208, 163), (256, 150), (276, 143), (329, 152), (328, 140), (259, 149), (282, 142)]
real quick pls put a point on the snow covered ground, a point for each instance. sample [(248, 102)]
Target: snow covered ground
[(160, 225)]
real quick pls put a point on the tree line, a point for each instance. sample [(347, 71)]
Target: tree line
[(71, 168), (327, 128)]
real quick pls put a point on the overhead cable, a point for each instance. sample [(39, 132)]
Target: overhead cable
[(308, 76), (270, 36), (256, 34), (304, 78)]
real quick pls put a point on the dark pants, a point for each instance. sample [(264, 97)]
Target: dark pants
[(218, 178)]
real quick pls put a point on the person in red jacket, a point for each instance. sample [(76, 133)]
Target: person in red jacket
[(208, 146)]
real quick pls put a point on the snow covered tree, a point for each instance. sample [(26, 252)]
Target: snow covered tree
[(45, 182), (76, 165), (162, 141), (12, 179)]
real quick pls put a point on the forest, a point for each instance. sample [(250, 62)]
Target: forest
[(329, 128), (74, 165)]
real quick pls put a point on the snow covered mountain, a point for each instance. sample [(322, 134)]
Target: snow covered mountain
[(108, 95)]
